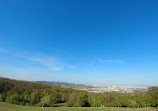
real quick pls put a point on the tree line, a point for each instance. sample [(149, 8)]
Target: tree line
[(42, 95)]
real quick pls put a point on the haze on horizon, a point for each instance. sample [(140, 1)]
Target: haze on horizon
[(92, 42)]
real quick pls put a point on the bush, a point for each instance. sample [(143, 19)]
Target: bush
[(72, 99), (46, 101), (2, 98), (14, 99), (131, 103), (35, 97), (82, 100)]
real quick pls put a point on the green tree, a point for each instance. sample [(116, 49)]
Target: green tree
[(72, 99), (110, 99), (120, 100), (2, 98), (35, 97), (46, 101), (153, 92), (64, 97), (142, 98), (14, 99), (100, 100), (82, 100), (131, 103), (26, 96)]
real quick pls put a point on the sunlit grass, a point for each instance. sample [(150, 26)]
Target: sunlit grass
[(11, 107)]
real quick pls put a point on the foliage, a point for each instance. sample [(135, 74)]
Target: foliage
[(71, 101), (82, 100), (46, 101), (14, 99), (153, 92), (35, 94), (2, 98)]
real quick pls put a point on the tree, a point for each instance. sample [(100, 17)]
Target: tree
[(142, 98), (100, 99), (46, 101), (35, 97), (121, 99), (26, 96), (6, 85), (14, 99), (72, 99), (110, 99), (64, 97), (131, 103), (2, 98), (82, 100), (153, 92)]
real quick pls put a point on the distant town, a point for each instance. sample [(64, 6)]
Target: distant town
[(97, 88)]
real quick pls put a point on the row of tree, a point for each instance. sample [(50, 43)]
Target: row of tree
[(35, 94)]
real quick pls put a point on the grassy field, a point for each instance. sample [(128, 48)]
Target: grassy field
[(10, 107)]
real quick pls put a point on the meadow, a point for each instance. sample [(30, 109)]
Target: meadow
[(11, 107)]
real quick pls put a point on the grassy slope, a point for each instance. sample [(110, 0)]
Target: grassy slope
[(10, 107)]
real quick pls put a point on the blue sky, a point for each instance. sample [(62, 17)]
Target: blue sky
[(81, 41)]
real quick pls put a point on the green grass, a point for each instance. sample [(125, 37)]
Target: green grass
[(11, 107)]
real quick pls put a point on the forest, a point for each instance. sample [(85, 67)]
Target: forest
[(41, 95)]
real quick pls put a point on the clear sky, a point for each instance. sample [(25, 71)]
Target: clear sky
[(81, 41)]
